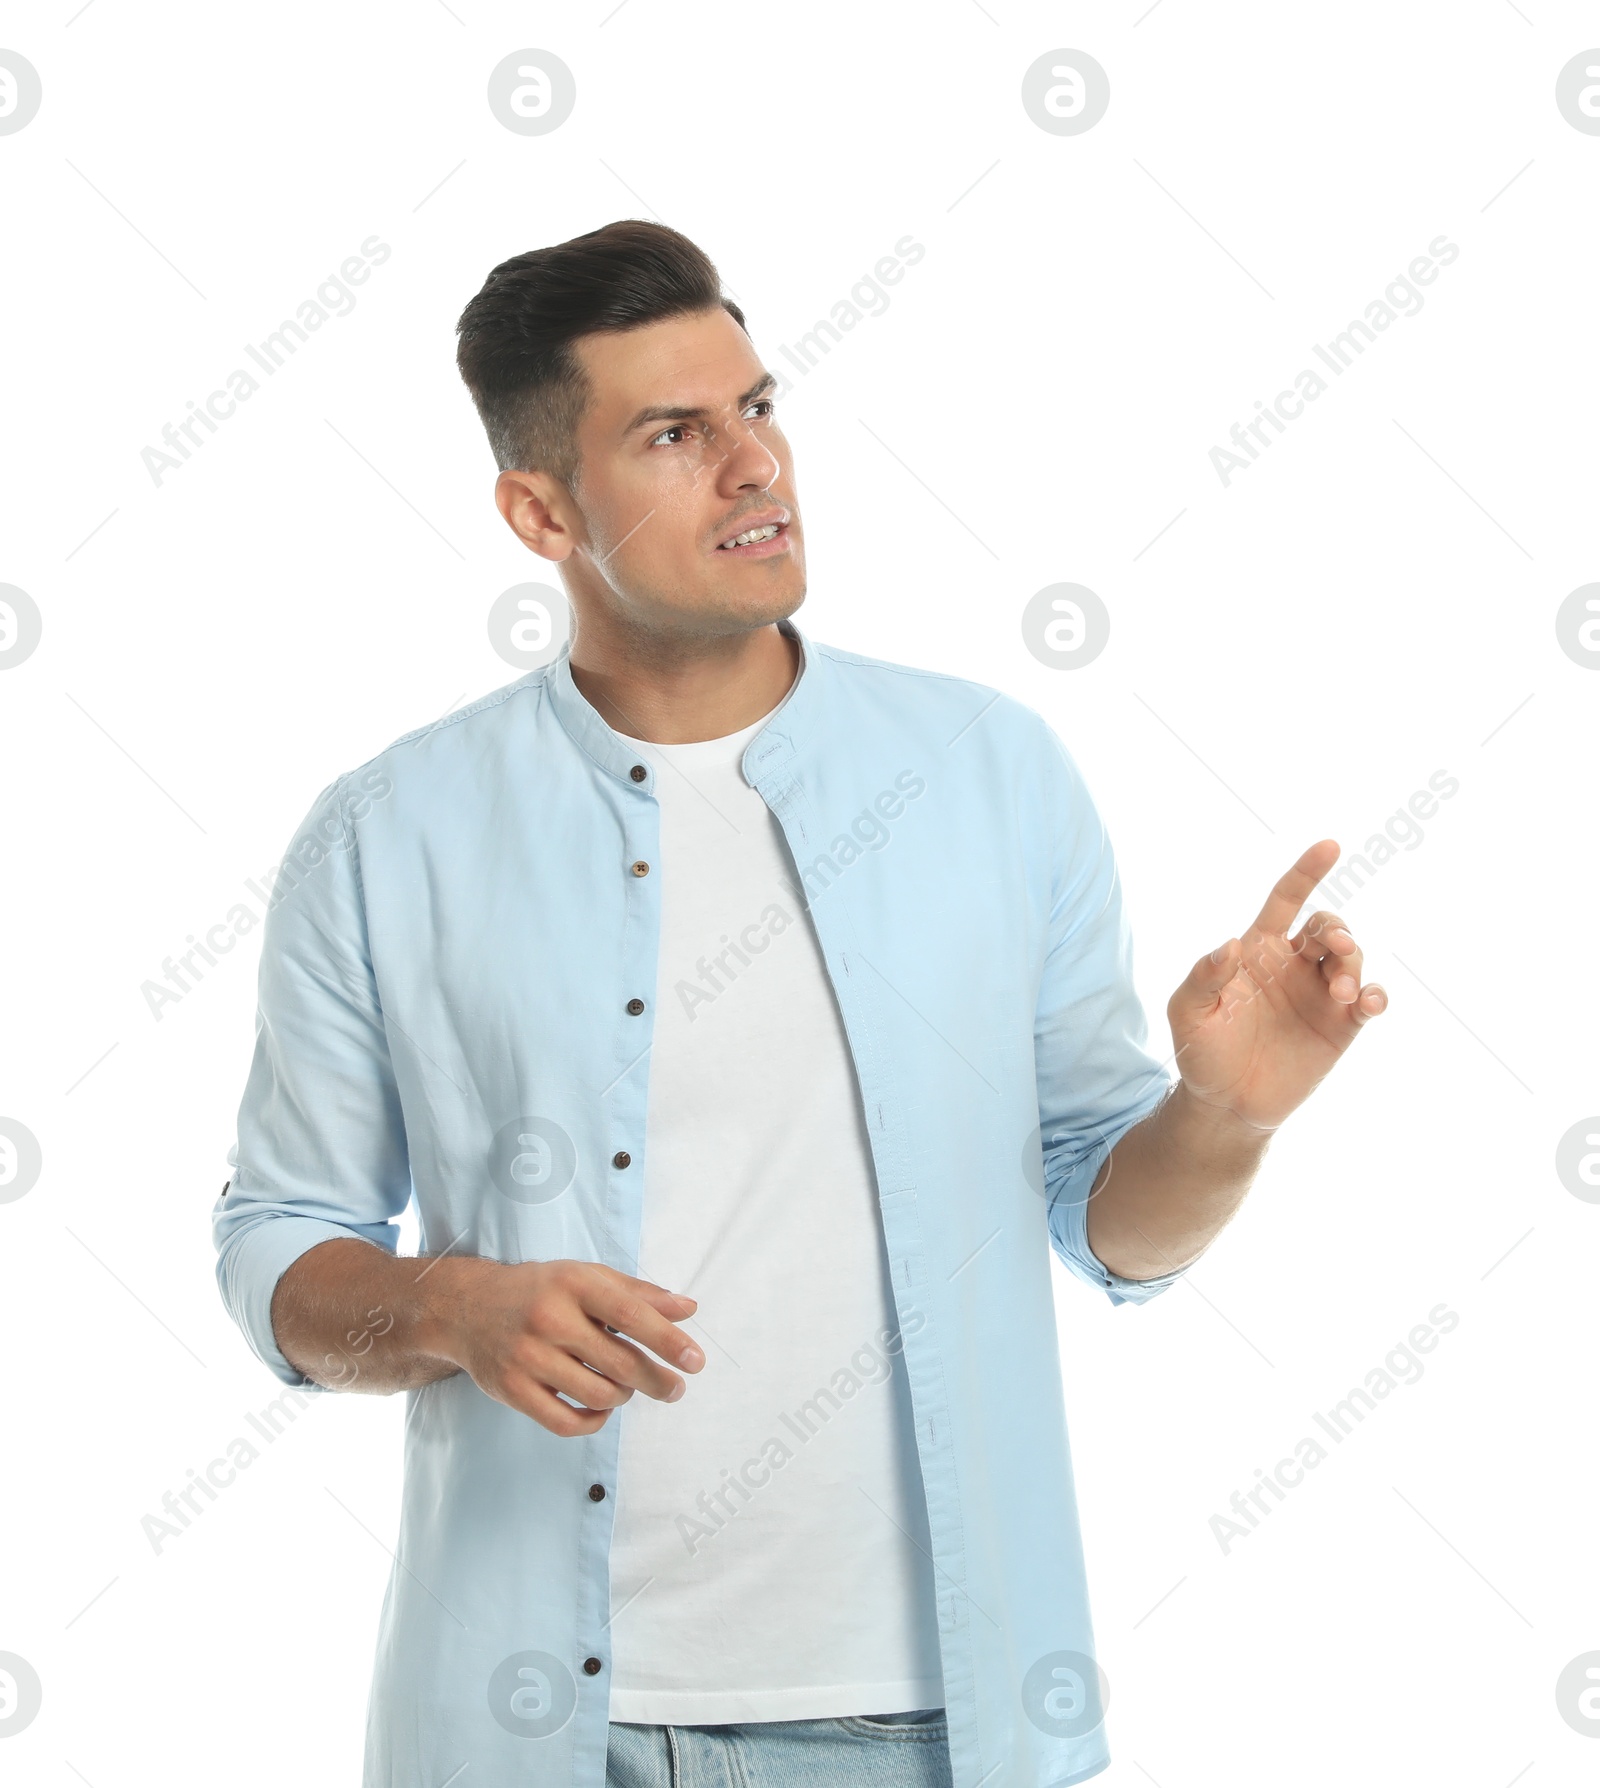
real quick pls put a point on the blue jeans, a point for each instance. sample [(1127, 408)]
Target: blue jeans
[(896, 1750)]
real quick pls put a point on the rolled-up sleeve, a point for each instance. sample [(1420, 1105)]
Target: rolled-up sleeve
[(1096, 1078), (321, 1149)]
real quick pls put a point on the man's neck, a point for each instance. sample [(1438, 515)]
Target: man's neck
[(680, 699)]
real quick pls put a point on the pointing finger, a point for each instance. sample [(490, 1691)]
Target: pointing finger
[(1293, 888)]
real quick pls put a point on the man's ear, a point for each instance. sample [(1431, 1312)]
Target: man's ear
[(539, 511)]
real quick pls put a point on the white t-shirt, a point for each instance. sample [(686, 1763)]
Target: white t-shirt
[(770, 1554)]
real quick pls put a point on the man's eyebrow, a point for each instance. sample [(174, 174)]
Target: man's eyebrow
[(677, 413)]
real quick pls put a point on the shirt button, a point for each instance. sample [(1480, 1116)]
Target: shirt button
[(638, 773), (597, 1493), (621, 1158), (591, 1666), (640, 868), (636, 1007)]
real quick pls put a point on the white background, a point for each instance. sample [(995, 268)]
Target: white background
[(1294, 656)]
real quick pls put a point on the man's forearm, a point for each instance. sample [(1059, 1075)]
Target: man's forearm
[(354, 1317), (1170, 1185)]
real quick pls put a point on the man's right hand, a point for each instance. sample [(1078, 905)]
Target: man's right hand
[(354, 1317), (525, 1333)]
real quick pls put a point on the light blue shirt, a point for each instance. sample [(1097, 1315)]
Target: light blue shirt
[(456, 1006)]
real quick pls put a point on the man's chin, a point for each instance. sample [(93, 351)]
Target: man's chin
[(733, 611)]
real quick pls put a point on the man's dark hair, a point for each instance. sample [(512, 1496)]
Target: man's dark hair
[(515, 337)]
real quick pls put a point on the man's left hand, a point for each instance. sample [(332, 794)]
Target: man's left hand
[(1260, 1021)]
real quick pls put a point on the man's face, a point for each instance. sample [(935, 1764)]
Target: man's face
[(679, 453)]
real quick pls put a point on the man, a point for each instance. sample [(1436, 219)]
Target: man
[(749, 1020)]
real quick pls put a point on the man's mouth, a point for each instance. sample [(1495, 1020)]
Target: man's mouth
[(751, 538), (758, 542)]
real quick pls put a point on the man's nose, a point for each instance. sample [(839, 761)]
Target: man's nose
[(747, 459)]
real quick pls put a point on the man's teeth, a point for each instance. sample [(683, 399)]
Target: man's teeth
[(751, 537)]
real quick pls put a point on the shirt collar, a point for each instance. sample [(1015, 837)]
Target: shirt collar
[(768, 752)]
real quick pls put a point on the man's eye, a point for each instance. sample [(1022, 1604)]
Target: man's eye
[(762, 404)]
